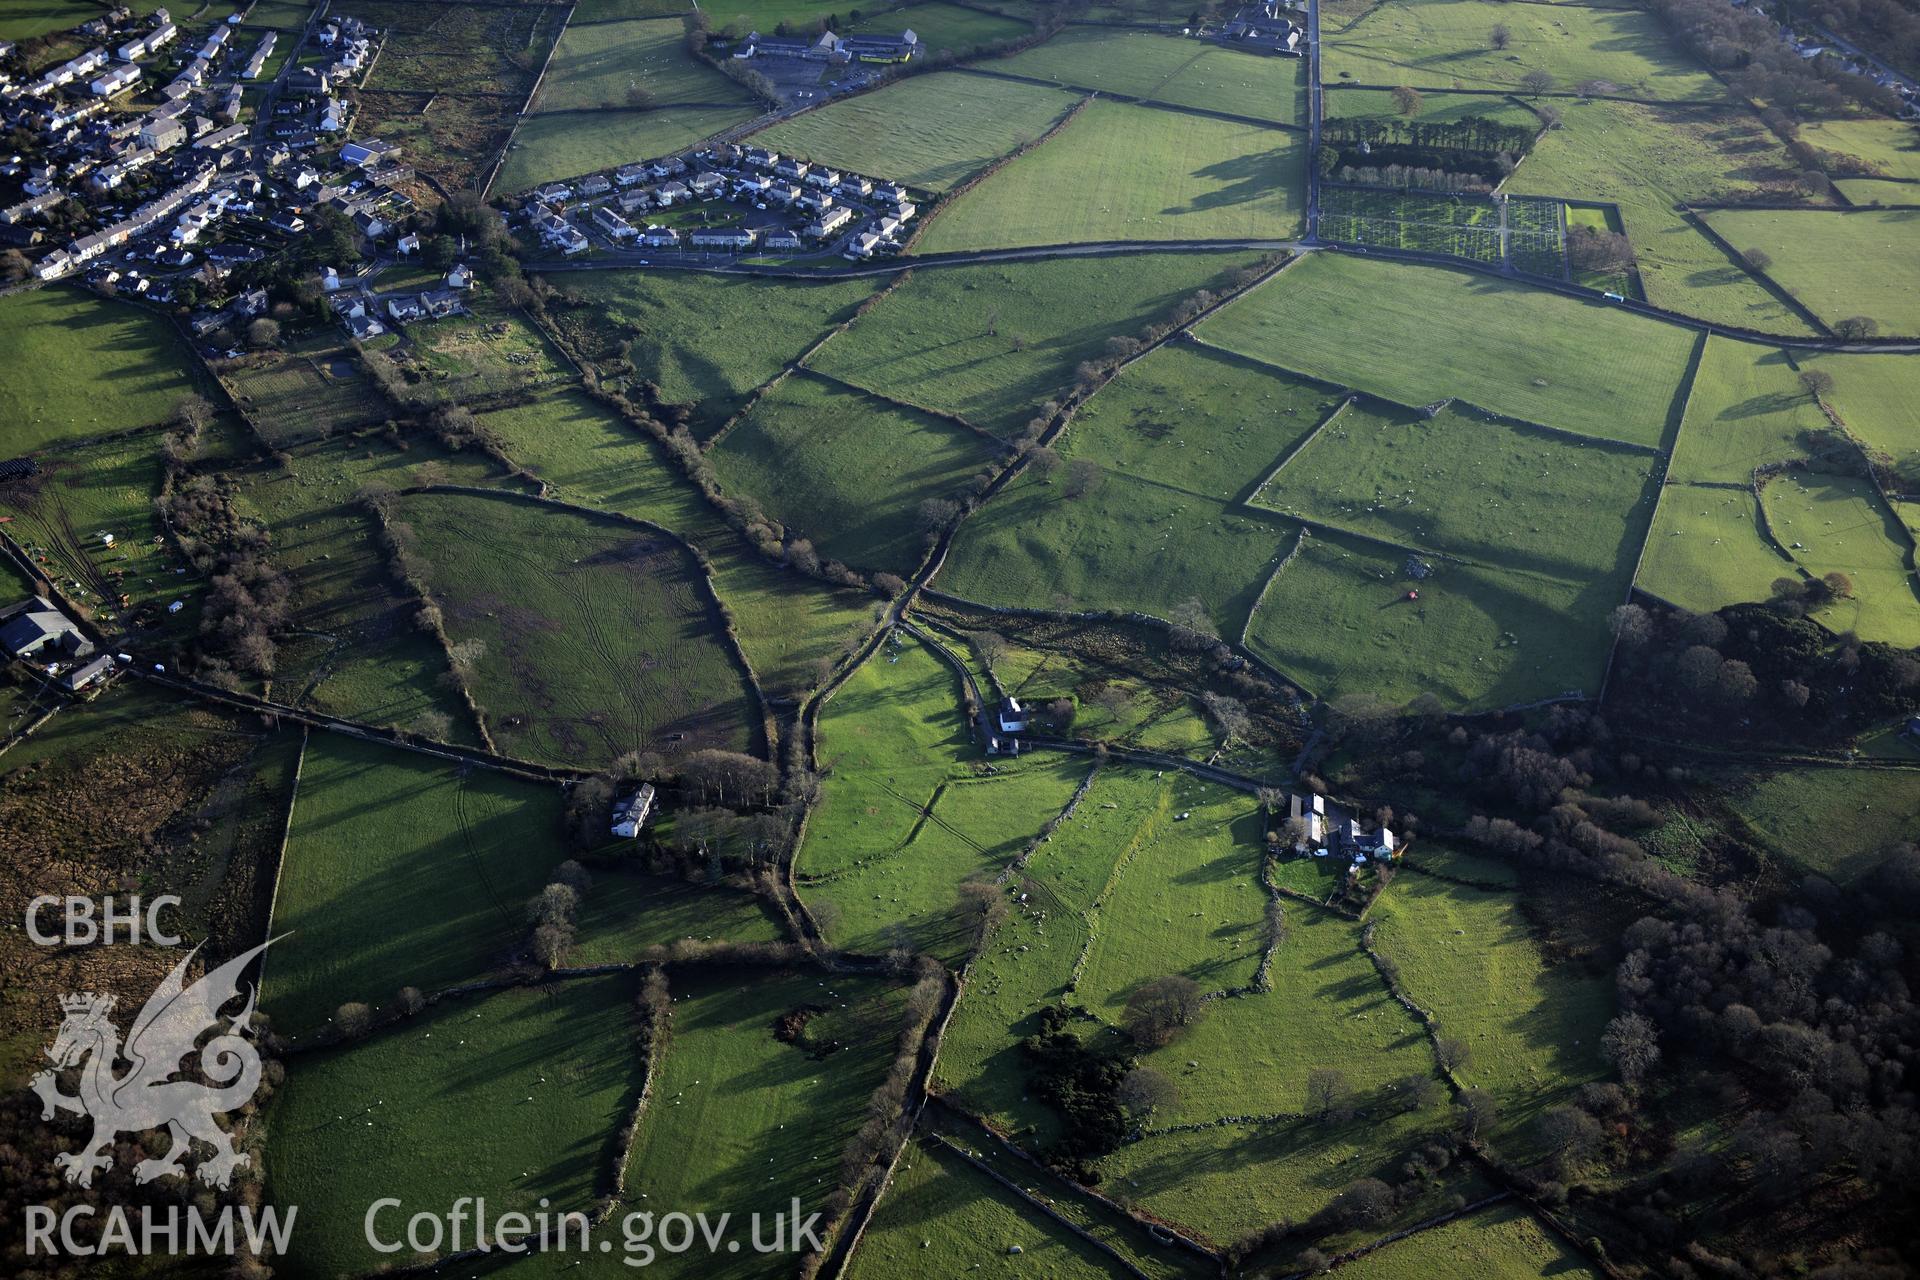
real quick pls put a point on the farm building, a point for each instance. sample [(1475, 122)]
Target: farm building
[(85, 674), (630, 813), (1012, 716), (34, 626)]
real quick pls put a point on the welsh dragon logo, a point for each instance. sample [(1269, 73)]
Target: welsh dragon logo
[(146, 1097)]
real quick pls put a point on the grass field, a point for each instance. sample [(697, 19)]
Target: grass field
[(1416, 334), (740, 1122), (1829, 523), (24, 19), (492, 351), (1469, 957), (597, 637), (458, 48), (596, 64), (1328, 1007), (1178, 442), (1186, 898), (1879, 399), (993, 342), (301, 396), (1122, 172), (1436, 107), (1881, 191), (1241, 84), (1338, 621), (1860, 263), (400, 872), (1500, 1243), (81, 493), (553, 1069), (1132, 63), (706, 340), (548, 148), (906, 895), (846, 469), (1229, 1180), (625, 911), (944, 28), (942, 1212), (1889, 146), (1832, 822), (930, 131), (1458, 482), (585, 119), (1706, 550), (1645, 159), (787, 624), (370, 662), (1747, 408), (1185, 73), (890, 738), (1030, 962), (79, 367), (1444, 44)]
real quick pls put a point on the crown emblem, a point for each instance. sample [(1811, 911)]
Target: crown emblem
[(85, 1002)]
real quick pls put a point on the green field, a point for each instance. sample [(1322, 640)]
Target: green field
[(1029, 964), (1458, 482), (1890, 147), (846, 469), (740, 1122), (787, 624), (1706, 550), (1470, 958), (618, 92), (943, 28), (1178, 441), (79, 367), (597, 637), (1229, 1180), (1437, 106), (942, 1212), (400, 872), (705, 340), (1327, 1007), (1500, 1243), (930, 131), (81, 493), (596, 65), (905, 895), (1185, 899), (1444, 44), (992, 342), (1242, 84), (906, 811), (1420, 334), (1881, 191), (1338, 620), (624, 911), (1832, 822), (569, 144), (1859, 263), (1122, 172), (363, 658), (553, 1070), (1645, 159), (1830, 522), (1747, 408), (1131, 63), (1878, 397), (303, 396), (24, 19)]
